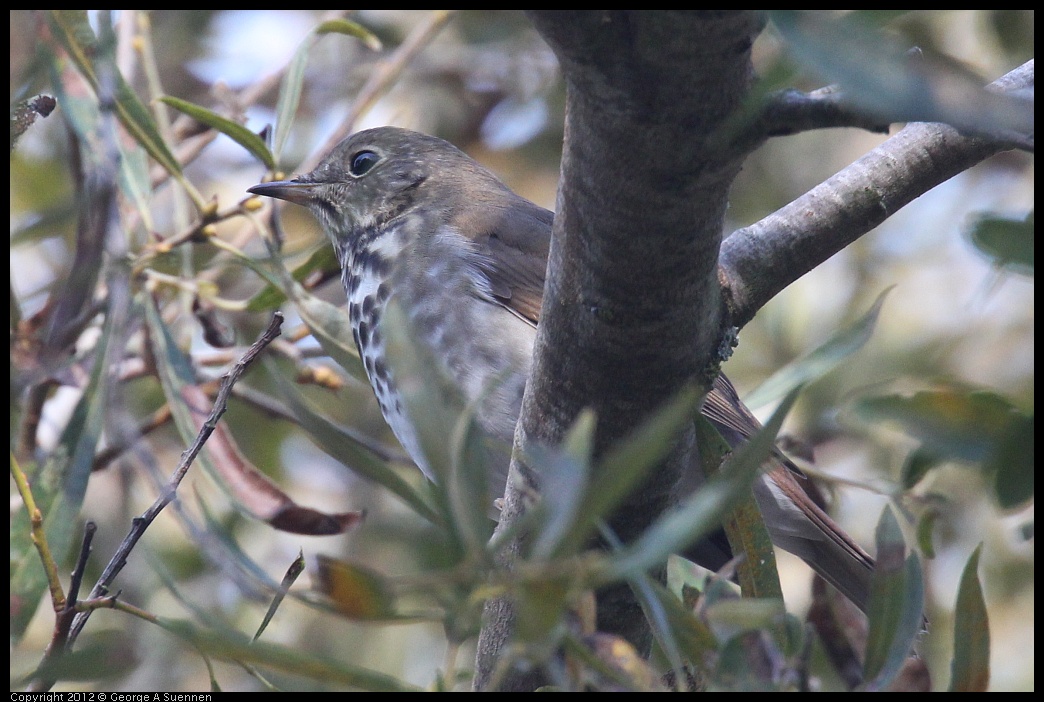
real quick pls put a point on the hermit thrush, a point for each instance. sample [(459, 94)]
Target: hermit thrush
[(414, 218)]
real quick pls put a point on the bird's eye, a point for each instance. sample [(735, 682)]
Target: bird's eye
[(363, 161)]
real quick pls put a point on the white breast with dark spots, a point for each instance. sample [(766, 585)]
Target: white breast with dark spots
[(485, 349), (367, 280), (482, 348)]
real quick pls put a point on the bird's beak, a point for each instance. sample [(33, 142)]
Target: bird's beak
[(289, 190)]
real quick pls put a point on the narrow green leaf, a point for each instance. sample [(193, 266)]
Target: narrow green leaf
[(72, 29), (1007, 242), (950, 422), (564, 474), (293, 80), (354, 451), (730, 617), (233, 646), (926, 530), (435, 410), (59, 485), (99, 655), (351, 29), (704, 511), (1013, 461), (691, 635), (916, 466), (331, 327), (624, 466), (744, 526), (289, 578), (468, 488), (290, 95), (273, 294), (817, 363), (234, 130), (896, 606), (135, 181), (878, 76), (970, 668)]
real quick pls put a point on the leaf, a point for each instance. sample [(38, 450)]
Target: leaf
[(273, 295), (970, 668), (730, 617), (233, 646), (896, 606), (234, 130), (102, 655), (446, 439), (624, 465), (59, 485), (817, 363), (1013, 461), (705, 509), (564, 474), (925, 529), (917, 465), (355, 452), (289, 578), (744, 526), (880, 78), (72, 29), (81, 114), (356, 592), (541, 604), (610, 662), (135, 181), (331, 327), (693, 638), (293, 80), (290, 96), (948, 422), (249, 488), (977, 427), (351, 29), (1007, 242)]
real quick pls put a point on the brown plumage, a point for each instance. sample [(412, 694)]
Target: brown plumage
[(411, 216)]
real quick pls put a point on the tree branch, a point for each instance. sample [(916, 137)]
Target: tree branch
[(758, 261), (791, 111), (631, 300), (141, 523)]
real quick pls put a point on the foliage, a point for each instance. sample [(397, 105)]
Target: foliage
[(136, 255)]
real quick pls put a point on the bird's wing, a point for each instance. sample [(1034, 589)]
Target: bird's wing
[(513, 240), (792, 516)]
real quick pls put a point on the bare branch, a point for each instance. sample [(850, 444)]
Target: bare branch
[(792, 111), (141, 523), (758, 261)]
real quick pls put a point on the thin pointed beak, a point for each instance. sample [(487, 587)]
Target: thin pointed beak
[(289, 190)]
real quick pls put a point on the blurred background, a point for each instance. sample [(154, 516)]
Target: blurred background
[(486, 82)]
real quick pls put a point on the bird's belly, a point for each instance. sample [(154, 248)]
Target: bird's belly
[(482, 349)]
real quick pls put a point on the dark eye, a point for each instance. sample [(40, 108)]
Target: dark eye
[(363, 161)]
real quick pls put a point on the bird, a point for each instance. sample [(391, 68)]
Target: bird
[(412, 217)]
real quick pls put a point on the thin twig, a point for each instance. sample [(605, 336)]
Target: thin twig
[(76, 578), (65, 614), (758, 261), (169, 492), (39, 535)]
